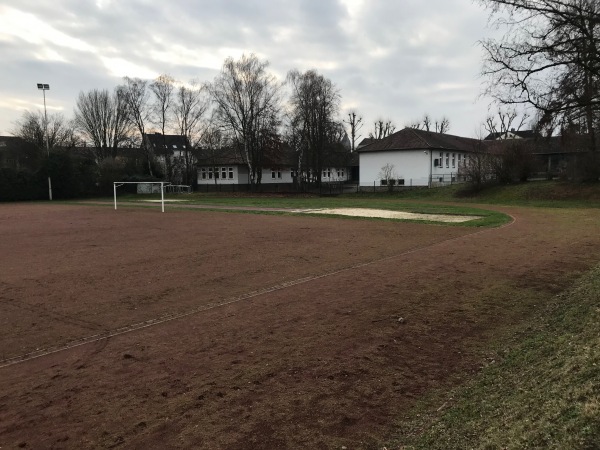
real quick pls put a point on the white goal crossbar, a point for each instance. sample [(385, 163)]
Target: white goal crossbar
[(116, 184)]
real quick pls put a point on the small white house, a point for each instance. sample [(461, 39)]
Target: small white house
[(416, 158)]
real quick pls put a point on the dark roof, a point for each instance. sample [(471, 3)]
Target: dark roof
[(282, 157), (411, 139), (221, 157), (523, 134), (365, 141), (166, 143)]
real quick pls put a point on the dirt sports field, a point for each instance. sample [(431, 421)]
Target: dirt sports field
[(199, 329)]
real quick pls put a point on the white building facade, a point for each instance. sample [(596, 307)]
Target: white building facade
[(415, 158)]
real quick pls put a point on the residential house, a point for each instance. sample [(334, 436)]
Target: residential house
[(419, 158), (175, 155), (552, 156), (18, 154), (512, 134)]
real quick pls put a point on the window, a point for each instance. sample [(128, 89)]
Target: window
[(210, 173), (383, 182), (230, 169), (293, 173), (436, 162), (342, 173), (453, 160), (400, 181), (203, 173), (447, 160), (224, 172)]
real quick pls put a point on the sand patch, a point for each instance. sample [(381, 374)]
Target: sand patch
[(387, 214)]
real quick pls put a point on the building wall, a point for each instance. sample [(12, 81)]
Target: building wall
[(412, 166), (282, 175), (270, 175), (229, 174)]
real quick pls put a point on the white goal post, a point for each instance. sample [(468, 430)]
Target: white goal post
[(116, 184)]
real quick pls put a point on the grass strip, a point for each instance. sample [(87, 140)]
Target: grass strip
[(545, 393), (221, 203)]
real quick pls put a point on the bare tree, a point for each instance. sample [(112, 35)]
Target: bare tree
[(388, 176), (382, 129), (59, 131), (478, 166), (355, 123), (136, 98), (213, 142), (163, 88), (246, 98), (442, 125), (190, 107), (548, 58), (427, 124), (101, 118), (505, 120), (314, 106)]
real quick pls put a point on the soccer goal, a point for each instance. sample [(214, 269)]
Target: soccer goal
[(144, 187)]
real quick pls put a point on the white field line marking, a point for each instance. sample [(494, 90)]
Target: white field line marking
[(170, 317)]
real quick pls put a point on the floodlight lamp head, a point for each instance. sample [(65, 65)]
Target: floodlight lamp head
[(43, 86)]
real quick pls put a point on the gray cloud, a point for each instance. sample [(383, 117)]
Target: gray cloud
[(394, 60)]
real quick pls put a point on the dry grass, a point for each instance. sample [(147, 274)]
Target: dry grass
[(544, 393)]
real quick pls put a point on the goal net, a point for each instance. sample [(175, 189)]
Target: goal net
[(144, 187)]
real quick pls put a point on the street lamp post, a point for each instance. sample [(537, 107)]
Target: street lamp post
[(46, 87)]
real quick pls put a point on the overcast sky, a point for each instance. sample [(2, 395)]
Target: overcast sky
[(391, 59)]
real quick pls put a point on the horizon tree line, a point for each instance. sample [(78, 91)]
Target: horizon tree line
[(245, 105)]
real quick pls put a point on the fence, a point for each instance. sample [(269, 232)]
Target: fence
[(334, 188), (436, 180)]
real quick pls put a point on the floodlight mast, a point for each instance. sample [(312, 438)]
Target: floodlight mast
[(46, 87)]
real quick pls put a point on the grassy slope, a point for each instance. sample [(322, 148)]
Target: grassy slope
[(538, 193), (545, 393)]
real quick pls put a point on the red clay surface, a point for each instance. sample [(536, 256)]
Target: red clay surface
[(322, 363)]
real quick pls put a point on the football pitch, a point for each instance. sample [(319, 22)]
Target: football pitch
[(208, 329)]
